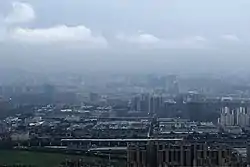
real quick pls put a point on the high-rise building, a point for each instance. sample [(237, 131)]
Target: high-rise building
[(156, 103), (242, 117), (94, 97), (238, 116), (49, 92), (171, 84), (158, 154), (141, 103), (147, 103), (227, 117)]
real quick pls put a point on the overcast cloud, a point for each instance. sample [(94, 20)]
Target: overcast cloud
[(166, 27), (142, 23), (20, 13)]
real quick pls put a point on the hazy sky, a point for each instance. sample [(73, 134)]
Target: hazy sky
[(125, 25)]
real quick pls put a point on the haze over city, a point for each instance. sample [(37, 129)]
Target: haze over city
[(124, 83)]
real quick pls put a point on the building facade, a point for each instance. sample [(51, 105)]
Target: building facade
[(156, 154), (147, 103)]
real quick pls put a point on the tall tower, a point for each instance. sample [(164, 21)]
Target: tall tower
[(242, 117), (227, 117), (172, 85)]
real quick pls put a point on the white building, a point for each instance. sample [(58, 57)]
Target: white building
[(238, 117), (242, 117), (226, 117)]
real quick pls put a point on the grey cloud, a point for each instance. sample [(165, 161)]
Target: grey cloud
[(172, 24), (230, 37), (60, 34), (79, 35), (178, 17), (150, 41), (180, 34)]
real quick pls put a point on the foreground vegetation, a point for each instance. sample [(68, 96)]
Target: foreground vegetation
[(39, 159)]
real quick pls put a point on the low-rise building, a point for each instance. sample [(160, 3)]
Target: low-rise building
[(20, 136)]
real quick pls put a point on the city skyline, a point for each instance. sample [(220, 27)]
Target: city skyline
[(115, 83)]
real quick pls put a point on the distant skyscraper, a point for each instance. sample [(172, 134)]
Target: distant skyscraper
[(49, 92), (141, 103), (147, 103), (49, 89), (172, 85), (157, 81), (93, 97), (227, 117), (242, 117), (156, 103), (238, 116)]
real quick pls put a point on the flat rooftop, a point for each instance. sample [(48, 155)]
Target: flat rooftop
[(124, 140)]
